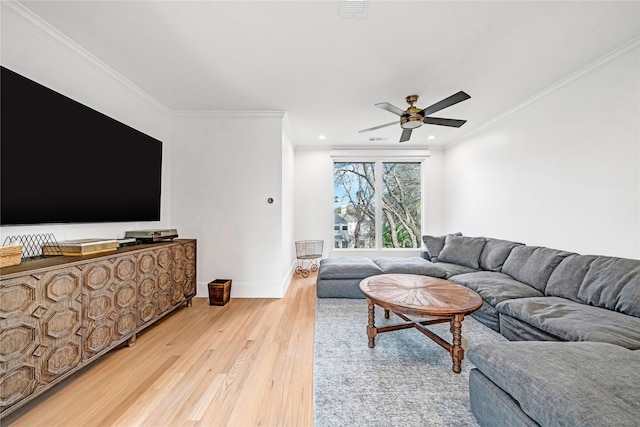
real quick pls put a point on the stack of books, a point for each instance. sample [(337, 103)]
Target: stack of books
[(81, 247)]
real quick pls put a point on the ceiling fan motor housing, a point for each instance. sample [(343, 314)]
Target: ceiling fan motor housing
[(411, 119)]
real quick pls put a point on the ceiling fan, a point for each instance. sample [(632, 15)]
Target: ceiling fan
[(413, 117)]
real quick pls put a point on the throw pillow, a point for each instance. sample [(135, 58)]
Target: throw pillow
[(462, 250), (434, 245)]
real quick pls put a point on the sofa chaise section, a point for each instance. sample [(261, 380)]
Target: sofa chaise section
[(554, 384), (340, 277)]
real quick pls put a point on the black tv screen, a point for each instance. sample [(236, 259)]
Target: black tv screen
[(63, 162)]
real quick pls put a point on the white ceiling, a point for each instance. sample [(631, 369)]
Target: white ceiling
[(328, 71)]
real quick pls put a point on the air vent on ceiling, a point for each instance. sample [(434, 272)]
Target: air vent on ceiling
[(353, 9)]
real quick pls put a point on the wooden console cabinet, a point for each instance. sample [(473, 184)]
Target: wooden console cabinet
[(59, 314)]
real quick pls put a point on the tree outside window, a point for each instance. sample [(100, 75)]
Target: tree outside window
[(399, 195)]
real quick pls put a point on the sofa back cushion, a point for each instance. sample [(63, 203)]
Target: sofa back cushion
[(567, 277), (434, 245), (613, 283), (462, 250), (533, 264), (495, 253)]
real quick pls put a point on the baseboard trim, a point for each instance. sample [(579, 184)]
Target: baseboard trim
[(254, 289)]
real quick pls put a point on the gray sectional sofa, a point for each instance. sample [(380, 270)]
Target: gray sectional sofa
[(584, 307)]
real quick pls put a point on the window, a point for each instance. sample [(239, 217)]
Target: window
[(372, 212)]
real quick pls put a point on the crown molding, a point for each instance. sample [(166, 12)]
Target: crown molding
[(45, 29), (631, 44), (214, 113)]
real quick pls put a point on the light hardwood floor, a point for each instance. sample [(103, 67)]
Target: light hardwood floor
[(249, 363)]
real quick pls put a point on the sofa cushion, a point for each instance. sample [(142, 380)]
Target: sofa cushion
[(533, 264), (573, 321), (613, 283), (356, 267), (434, 245), (516, 330), (409, 265), (567, 277), (495, 287), (462, 250), (495, 253), (608, 282), (565, 384), (454, 269)]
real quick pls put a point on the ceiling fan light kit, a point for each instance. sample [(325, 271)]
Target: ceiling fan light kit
[(413, 117)]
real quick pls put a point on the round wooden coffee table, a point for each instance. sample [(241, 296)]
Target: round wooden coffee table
[(424, 297)]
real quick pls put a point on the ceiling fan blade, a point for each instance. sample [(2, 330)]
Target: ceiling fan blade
[(378, 127), (391, 108), (454, 123), (447, 102), (406, 134)]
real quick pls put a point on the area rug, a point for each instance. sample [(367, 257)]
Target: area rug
[(406, 380)]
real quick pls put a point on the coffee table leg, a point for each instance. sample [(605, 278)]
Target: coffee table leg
[(457, 352), (371, 328)]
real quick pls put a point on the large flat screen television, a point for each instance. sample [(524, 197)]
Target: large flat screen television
[(63, 162)]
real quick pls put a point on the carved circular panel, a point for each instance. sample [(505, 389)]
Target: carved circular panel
[(178, 275), (17, 383), (164, 281), (178, 294), (63, 323), (189, 288), (99, 338), (147, 312), (146, 263), (14, 299), (15, 341), (98, 307), (147, 286), (125, 269), (189, 269), (164, 303), (97, 276), (126, 324), (178, 254), (63, 358), (126, 296), (62, 286), (164, 259), (190, 251)]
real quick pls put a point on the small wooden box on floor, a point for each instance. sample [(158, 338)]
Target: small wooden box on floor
[(219, 291)]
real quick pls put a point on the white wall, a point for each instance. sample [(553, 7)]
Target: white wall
[(561, 172), (288, 202), (226, 166), (314, 196), (314, 200), (32, 48)]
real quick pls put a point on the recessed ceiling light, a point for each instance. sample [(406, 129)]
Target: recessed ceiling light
[(322, 137), (431, 137)]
